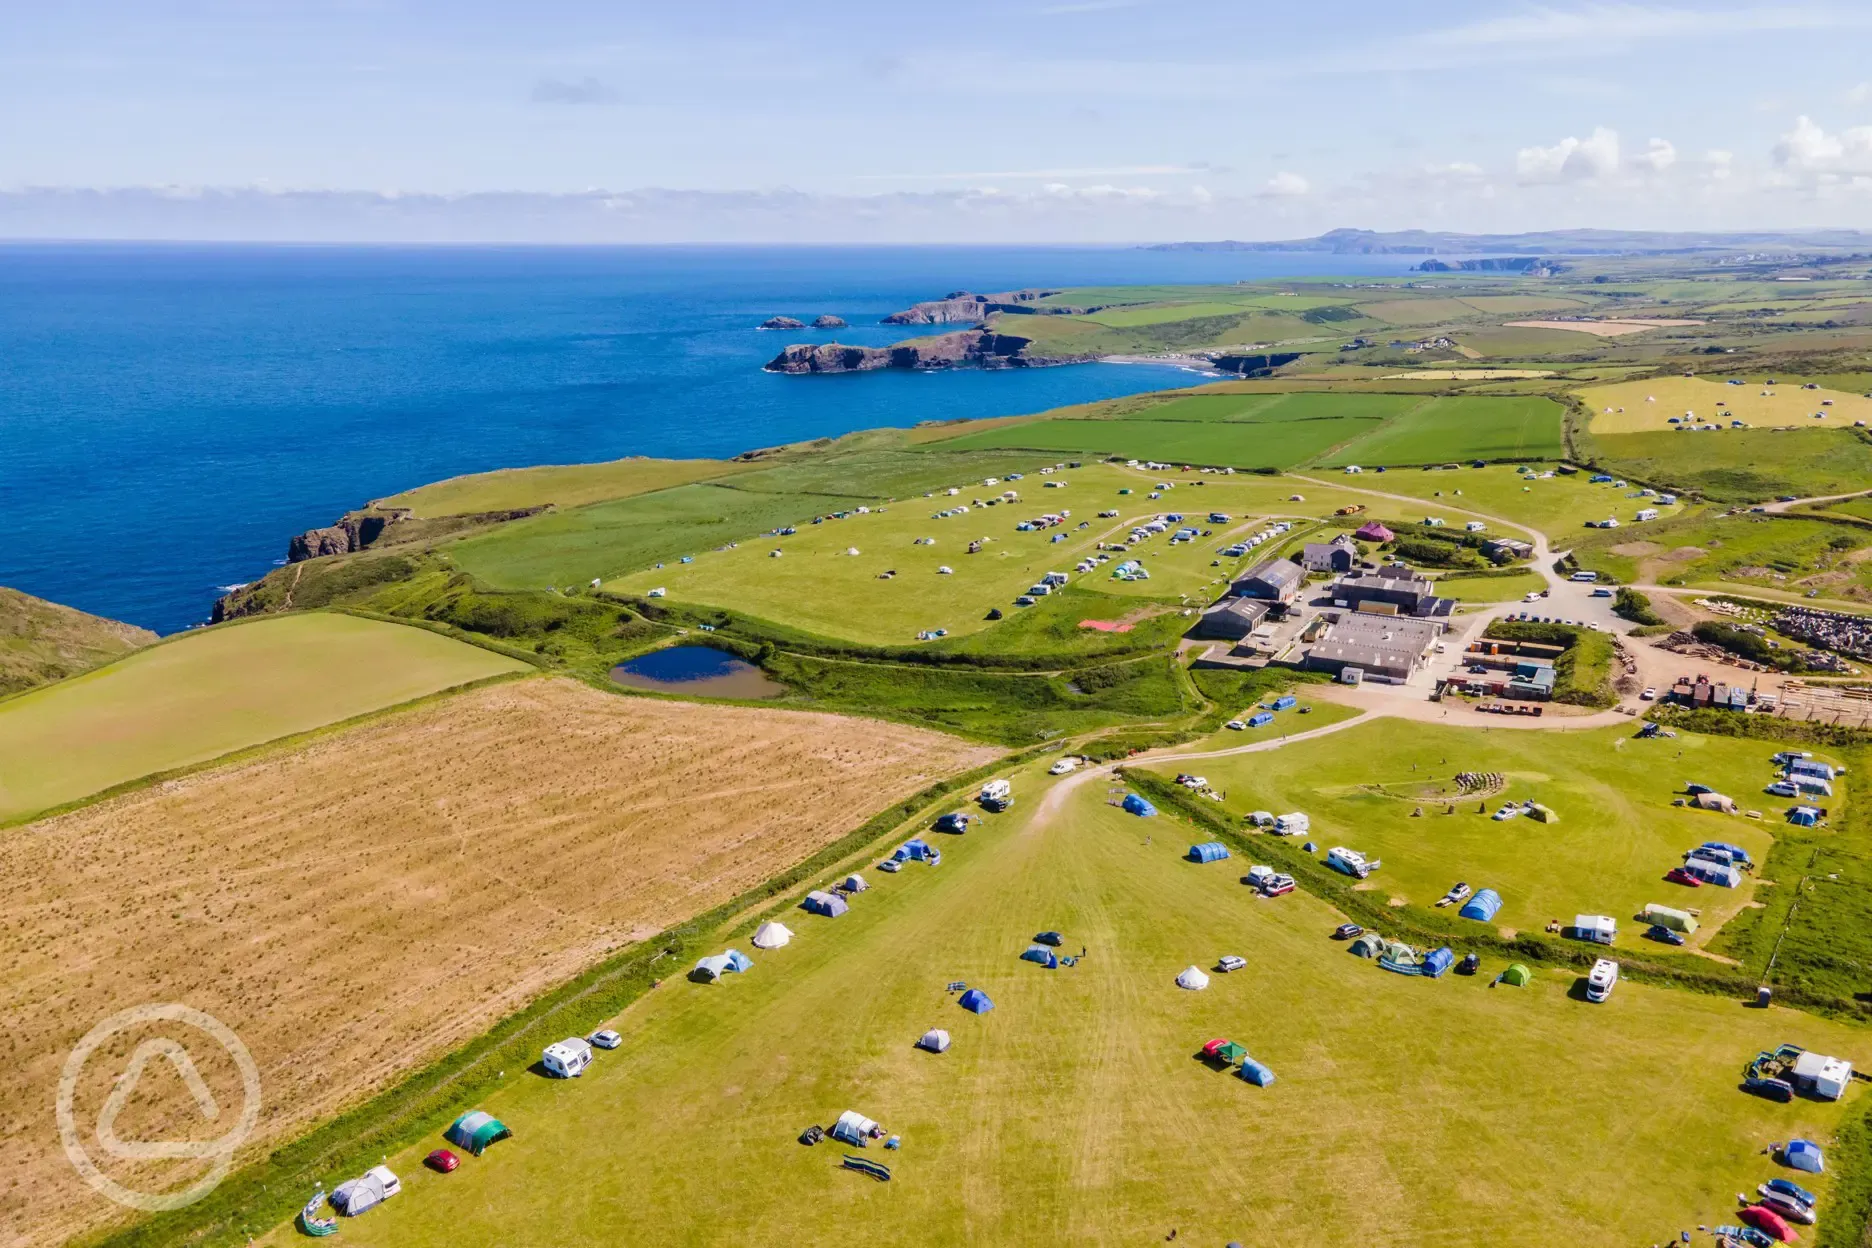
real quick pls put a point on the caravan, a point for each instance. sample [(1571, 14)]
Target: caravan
[(567, 1059), (997, 795)]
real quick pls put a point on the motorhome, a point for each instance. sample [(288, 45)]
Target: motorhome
[(1601, 980)]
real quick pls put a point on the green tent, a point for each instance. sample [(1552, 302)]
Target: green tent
[(1517, 974), (1666, 916), (1231, 1052), (1542, 814), (1368, 945), (476, 1130)]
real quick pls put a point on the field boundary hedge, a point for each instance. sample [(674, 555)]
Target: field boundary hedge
[(425, 1101)]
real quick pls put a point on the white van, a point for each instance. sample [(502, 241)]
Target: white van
[(1602, 979), (566, 1059)]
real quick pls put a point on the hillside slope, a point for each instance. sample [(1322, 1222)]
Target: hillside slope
[(41, 641)]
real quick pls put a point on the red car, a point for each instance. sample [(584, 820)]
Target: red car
[(1677, 875), (442, 1161)]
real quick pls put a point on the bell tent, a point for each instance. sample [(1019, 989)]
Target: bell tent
[(772, 936), (1193, 979)]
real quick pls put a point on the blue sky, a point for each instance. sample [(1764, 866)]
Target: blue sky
[(1068, 120)]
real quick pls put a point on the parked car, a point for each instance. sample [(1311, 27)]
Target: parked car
[(1231, 963), (1601, 592), (1790, 1189), (1508, 811), (1664, 935), (1769, 1089), (1347, 931), (890, 866), (1782, 788), (606, 1039), (1649, 694), (1458, 892), (1277, 886), (1469, 965), (1677, 875), (442, 1161), (1790, 1209), (1237, 725)]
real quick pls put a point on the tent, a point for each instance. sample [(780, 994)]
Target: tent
[(1437, 961), (375, 1186), (855, 883), (1713, 872), (738, 961), (708, 970), (975, 1001), (1042, 955), (1260, 719), (1050, 938), (1666, 916), (1282, 703), (1208, 851), (852, 1127), (1367, 946), (1736, 853), (1804, 1155), (1482, 906), (475, 1130), (829, 904), (771, 936), (1136, 805), (1255, 1072), (917, 850), (1516, 975), (1224, 1049), (1804, 816), (936, 1040), (1541, 814), (1193, 979), (1714, 801)]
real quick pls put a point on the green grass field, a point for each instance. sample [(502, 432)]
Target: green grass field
[(1618, 832), (562, 485), (1522, 427), (1237, 444), (1787, 554), (1558, 506), (210, 693), (1077, 1111), (1739, 465), (1490, 588)]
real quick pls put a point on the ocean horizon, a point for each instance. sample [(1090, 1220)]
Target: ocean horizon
[(172, 413)]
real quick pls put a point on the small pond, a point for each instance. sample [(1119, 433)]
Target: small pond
[(697, 671)]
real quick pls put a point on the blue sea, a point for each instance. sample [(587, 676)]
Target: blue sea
[(171, 414)]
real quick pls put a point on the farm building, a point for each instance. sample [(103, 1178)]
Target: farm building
[(1337, 555), (1383, 647), (1392, 590), (1483, 906), (1232, 619), (1505, 549), (1136, 805), (1665, 916), (831, 905), (475, 1131), (1208, 851), (1275, 580), (975, 1001)]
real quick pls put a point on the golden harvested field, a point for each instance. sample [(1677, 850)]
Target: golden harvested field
[(1602, 329), (1647, 406), (358, 906)]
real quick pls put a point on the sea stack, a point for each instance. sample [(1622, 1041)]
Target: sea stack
[(782, 322), (828, 321)]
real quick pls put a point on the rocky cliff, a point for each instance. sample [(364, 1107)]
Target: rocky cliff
[(961, 306), (388, 526), (968, 348)]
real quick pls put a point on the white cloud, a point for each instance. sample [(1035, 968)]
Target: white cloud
[(1810, 150), (1659, 155), (1285, 185), (1594, 158), (1016, 175), (1859, 94)]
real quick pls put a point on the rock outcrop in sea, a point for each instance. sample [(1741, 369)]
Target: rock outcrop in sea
[(968, 348), (828, 321), (782, 322)]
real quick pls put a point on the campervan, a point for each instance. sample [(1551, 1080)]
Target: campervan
[(1601, 980)]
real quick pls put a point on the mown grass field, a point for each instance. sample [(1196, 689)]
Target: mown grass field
[(1648, 406), (1490, 588), (1076, 1112), (1440, 429), (210, 693), (1558, 506), (1618, 832), (1275, 444), (1767, 552), (562, 485), (1739, 465)]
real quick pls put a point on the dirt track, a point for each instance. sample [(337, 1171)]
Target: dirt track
[(357, 907)]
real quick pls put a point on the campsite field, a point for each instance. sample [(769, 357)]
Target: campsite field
[(1785, 553), (1077, 1111), (355, 907), (1739, 465), (1617, 835), (209, 693), (1648, 406), (1558, 506)]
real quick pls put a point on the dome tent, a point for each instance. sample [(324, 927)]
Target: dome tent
[(1516, 975), (1193, 979), (1804, 1155), (975, 1001), (772, 936), (1041, 955), (936, 1040), (475, 1130)]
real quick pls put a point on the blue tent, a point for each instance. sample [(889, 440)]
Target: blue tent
[(1137, 805), (1255, 1072), (1804, 1155), (1736, 852), (738, 961), (1208, 851), (1261, 719), (1805, 816), (917, 850), (1482, 906), (975, 1001), (1041, 954), (829, 904), (1283, 702), (1437, 961)]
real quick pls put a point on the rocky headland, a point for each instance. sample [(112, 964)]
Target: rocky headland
[(968, 348), (959, 306)]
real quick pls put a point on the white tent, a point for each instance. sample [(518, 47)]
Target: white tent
[(936, 1040), (772, 936), (1193, 979), (712, 967), (855, 883), (852, 1127)]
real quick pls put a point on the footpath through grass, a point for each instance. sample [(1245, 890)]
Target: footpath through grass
[(209, 693), (1077, 1109)]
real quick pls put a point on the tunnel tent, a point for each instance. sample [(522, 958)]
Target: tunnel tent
[(830, 905), (1516, 975), (1136, 805), (1255, 1072), (1370, 945), (1438, 961), (772, 935), (476, 1130), (1483, 906), (853, 1127), (1208, 851), (854, 883), (1042, 955), (975, 1001), (367, 1191), (1541, 814), (1670, 917)]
